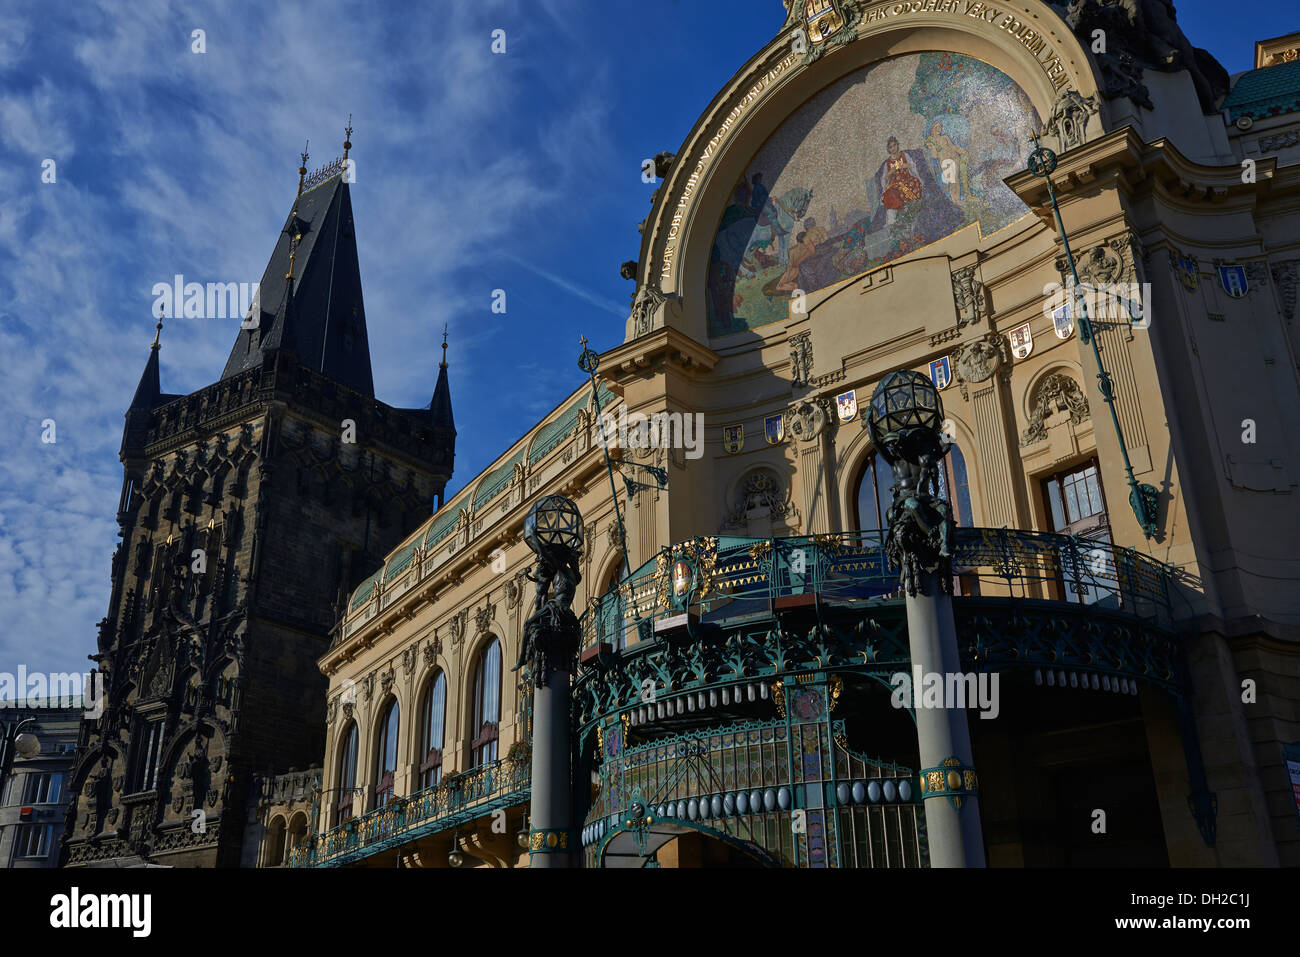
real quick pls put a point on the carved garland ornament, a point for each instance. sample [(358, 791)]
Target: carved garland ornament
[(1056, 393)]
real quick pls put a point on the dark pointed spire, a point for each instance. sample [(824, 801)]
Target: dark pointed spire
[(149, 391), (440, 407), (315, 278)]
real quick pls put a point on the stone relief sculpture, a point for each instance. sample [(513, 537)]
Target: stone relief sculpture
[(1056, 393), (809, 418), (1143, 34), (977, 361), (969, 295), (800, 358), (1068, 123), (762, 492)]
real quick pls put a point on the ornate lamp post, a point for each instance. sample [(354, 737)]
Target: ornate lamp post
[(553, 530), (16, 741), (1142, 498), (906, 420)]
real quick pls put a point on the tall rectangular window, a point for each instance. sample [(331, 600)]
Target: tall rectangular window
[(33, 840), (1076, 505), (42, 788), (148, 752)]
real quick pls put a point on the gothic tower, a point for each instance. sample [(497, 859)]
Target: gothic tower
[(248, 509)]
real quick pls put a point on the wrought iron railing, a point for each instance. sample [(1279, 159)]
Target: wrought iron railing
[(458, 798), (728, 576)]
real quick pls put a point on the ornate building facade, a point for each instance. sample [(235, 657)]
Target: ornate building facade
[(856, 201), (250, 509)]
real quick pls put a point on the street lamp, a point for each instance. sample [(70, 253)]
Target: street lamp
[(1142, 498), (553, 530), (905, 421), (25, 744)]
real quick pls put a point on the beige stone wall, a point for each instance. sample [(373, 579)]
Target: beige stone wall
[(1227, 518)]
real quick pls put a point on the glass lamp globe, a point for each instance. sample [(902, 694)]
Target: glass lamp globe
[(554, 522), (27, 745), (904, 403)]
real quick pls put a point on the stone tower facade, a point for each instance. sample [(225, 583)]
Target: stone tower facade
[(248, 509)]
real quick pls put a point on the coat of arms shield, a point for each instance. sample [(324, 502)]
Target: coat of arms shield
[(1063, 321), (1233, 279), (823, 18), (774, 429), (1022, 341), (847, 404), (941, 373), (733, 438)]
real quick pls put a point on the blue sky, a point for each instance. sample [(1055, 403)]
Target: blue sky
[(474, 172)]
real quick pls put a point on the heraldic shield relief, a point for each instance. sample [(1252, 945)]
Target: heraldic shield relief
[(847, 404), (1186, 269), (941, 373), (1022, 341), (823, 18), (1062, 321), (774, 429), (1233, 279), (733, 438)]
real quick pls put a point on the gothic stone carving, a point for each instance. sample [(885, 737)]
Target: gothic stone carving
[(800, 358), (969, 295), (1056, 393)]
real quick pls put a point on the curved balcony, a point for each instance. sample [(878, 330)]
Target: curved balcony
[(458, 799), (729, 611), (686, 657)]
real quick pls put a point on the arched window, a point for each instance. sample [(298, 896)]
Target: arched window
[(347, 772), (954, 486), (386, 764), (610, 622), (874, 494), (275, 842), (487, 704), (435, 719)]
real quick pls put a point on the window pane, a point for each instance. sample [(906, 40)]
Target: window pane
[(884, 482), (1094, 493), (1071, 501), (962, 506), (1054, 500)]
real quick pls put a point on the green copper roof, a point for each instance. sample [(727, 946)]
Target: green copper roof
[(1268, 91), (401, 559), (553, 433), (365, 590), (495, 481), (443, 524)]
